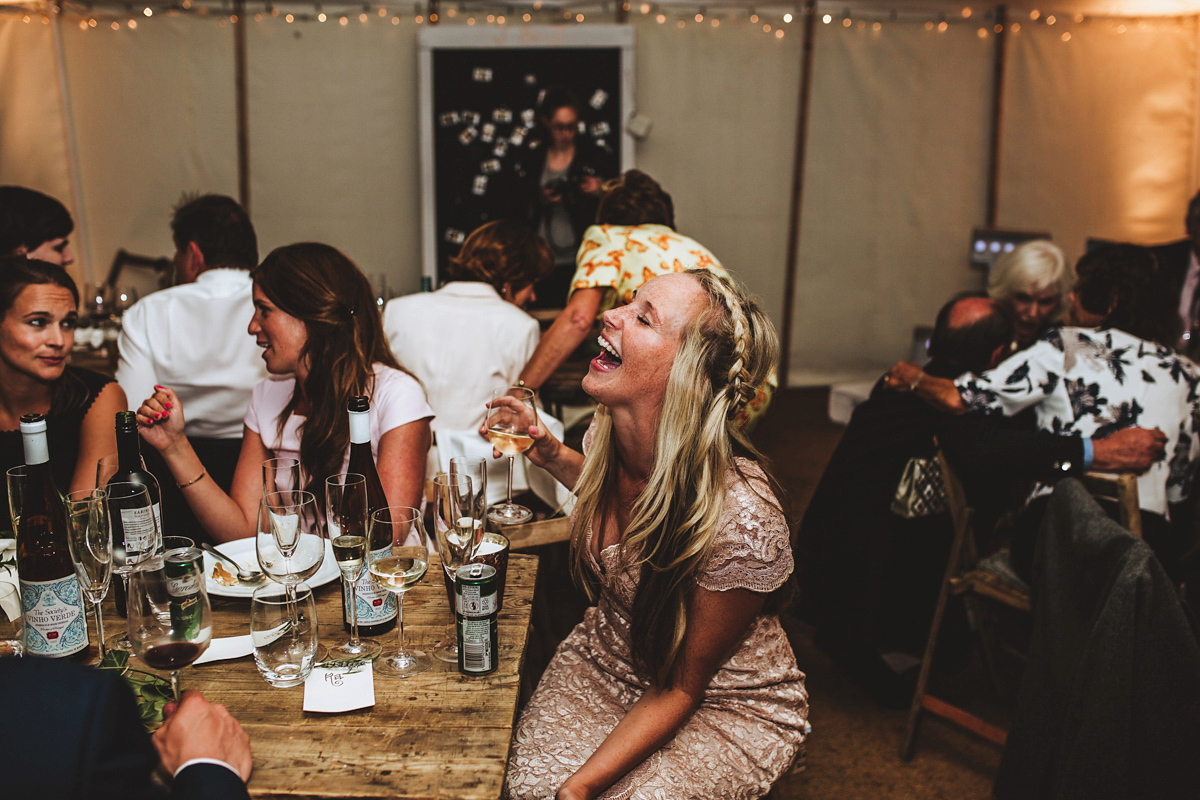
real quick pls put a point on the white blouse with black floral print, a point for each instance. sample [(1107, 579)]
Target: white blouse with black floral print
[(1091, 383)]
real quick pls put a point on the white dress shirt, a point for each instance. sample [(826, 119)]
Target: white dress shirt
[(463, 342), (193, 339)]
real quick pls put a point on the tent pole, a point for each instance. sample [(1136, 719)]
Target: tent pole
[(243, 128), (83, 242), (797, 202), (998, 70)]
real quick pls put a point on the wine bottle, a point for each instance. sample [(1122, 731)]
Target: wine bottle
[(376, 606), (132, 531), (51, 601)]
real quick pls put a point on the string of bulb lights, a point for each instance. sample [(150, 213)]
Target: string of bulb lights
[(776, 21)]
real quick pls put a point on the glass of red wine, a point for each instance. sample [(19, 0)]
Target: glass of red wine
[(169, 616)]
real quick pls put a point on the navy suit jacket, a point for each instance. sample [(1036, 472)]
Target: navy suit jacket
[(74, 732)]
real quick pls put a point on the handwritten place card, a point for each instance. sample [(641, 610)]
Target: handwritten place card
[(331, 691)]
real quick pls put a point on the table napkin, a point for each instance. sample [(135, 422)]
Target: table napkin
[(227, 648), (452, 443)]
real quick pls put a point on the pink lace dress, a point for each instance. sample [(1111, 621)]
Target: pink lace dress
[(751, 723)]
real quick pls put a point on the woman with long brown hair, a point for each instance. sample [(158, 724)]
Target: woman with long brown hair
[(316, 319)]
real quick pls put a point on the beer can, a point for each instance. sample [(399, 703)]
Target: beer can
[(476, 610), (184, 569)]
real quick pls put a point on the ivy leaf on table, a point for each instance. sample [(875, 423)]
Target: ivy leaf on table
[(152, 692)]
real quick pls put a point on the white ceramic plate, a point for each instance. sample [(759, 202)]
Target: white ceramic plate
[(242, 551)]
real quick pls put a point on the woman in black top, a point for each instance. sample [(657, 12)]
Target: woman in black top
[(38, 312)]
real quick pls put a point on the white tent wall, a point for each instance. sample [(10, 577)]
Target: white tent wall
[(1100, 131), (723, 101), (896, 169), (33, 143), (154, 117), (1099, 138), (333, 141)]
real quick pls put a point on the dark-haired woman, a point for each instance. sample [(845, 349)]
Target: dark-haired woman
[(470, 337), (35, 225), (316, 319), (562, 182), (39, 303), (680, 682)]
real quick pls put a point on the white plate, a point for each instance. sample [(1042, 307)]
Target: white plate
[(242, 551)]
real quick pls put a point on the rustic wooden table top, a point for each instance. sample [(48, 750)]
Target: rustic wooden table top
[(439, 734)]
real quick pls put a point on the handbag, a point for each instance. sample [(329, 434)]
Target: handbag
[(921, 491)]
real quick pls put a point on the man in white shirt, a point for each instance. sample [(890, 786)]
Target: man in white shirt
[(192, 337)]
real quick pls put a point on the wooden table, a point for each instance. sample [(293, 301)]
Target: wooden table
[(439, 734)]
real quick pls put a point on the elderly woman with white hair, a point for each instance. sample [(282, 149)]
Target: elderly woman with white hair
[(1032, 282)]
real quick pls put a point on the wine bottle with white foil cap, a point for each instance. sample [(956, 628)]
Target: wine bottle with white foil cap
[(51, 602), (376, 606)]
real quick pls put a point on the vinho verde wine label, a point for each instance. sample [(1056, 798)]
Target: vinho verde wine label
[(55, 624), (140, 529), (375, 604)]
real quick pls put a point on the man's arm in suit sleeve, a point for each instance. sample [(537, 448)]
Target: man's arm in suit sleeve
[(204, 780), (982, 447)]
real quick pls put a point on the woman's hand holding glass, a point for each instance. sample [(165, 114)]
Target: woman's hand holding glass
[(346, 518), (513, 412), (89, 538)]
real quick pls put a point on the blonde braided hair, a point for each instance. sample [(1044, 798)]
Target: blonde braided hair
[(723, 356)]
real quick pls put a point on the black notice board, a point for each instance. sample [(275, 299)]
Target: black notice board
[(485, 133)]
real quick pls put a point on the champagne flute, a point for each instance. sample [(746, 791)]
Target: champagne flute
[(16, 494), (89, 538), (398, 573), (476, 469), (512, 411), (458, 533), (281, 474), (135, 536), (346, 518), (169, 616)]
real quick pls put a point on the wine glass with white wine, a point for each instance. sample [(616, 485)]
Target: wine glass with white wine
[(346, 520), (398, 573), (511, 413)]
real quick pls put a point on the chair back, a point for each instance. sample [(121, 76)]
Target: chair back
[(1123, 490)]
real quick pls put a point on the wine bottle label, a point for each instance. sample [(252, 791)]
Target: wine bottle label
[(140, 527), (360, 427), (55, 624), (375, 604)]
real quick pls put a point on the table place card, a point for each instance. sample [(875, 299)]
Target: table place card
[(227, 648), (331, 691)]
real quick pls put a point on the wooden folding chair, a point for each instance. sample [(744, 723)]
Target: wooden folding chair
[(966, 574)]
